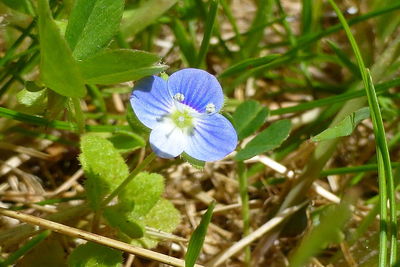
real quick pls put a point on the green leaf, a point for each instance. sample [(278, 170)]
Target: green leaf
[(94, 255), (126, 141), (248, 117), (24, 6), (58, 68), (164, 217), (122, 65), (197, 238), (144, 191), (345, 127), (270, 138), (103, 166), (92, 24)]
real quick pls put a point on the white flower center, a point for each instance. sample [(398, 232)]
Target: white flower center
[(179, 97), (210, 108)]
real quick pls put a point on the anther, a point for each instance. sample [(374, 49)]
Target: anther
[(210, 108), (179, 97)]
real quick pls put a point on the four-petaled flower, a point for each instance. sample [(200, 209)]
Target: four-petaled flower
[(183, 115)]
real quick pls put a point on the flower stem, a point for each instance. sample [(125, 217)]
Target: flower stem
[(139, 168), (128, 179)]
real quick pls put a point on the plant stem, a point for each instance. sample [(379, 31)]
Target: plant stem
[(244, 196), (139, 168), (128, 179)]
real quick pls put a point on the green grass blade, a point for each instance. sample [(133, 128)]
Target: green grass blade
[(384, 168), (248, 63), (232, 21), (56, 124), (384, 165), (355, 169), (344, 59), (380, 88), (185, 42), (135, 20), (197, 238), (264, 10), (25, 248), (306, 16), (209, 25)]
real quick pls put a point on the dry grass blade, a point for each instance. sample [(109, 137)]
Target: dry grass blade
[(77, 233)]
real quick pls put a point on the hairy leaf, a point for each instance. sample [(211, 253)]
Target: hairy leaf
[(127, 141), (163, 217), (94, 255), (144, 191), (104, 168), (119, 218)]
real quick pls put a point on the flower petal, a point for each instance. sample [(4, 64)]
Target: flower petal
[(198, 87), (151, 100), (167, 140), (213, 138)]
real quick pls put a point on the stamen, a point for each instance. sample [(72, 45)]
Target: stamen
[(210, 108), (181, 119), (179, 97)]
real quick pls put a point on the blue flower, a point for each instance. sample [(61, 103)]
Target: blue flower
[(183, 115)]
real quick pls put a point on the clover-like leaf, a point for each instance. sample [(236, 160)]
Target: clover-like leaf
[(248, 117), (270, 138)]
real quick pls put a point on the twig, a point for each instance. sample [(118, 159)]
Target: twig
[(77, 233)]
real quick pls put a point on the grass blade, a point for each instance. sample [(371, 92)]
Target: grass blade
[(197, 239), (209, 25), (384, 168), (25, 248)]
